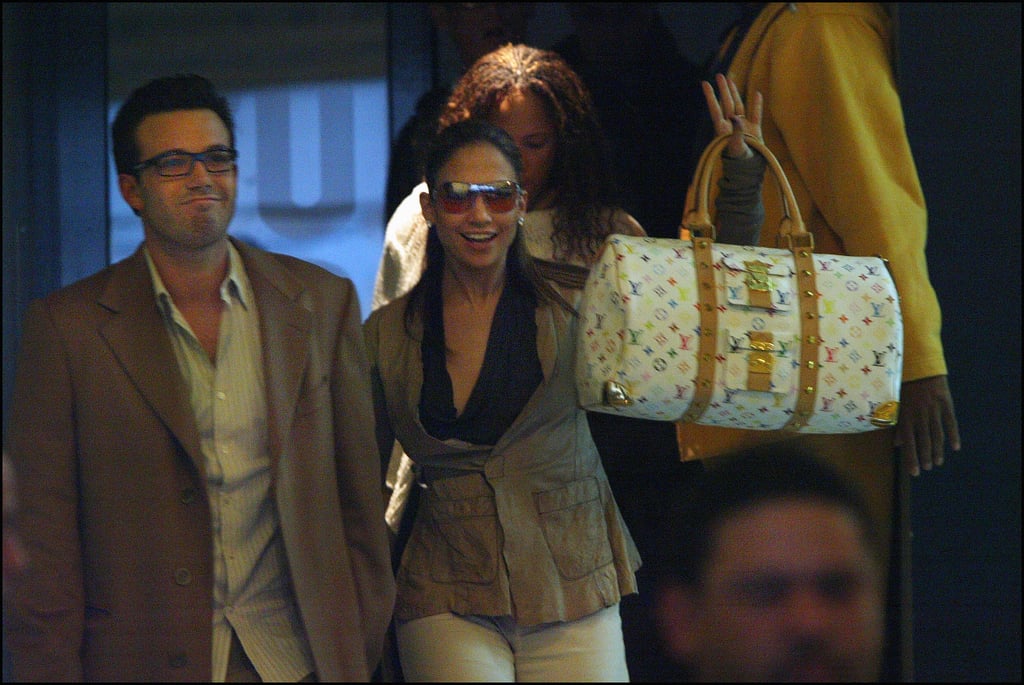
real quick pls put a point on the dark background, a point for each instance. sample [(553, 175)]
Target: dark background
[(960, 75), (961, 84)]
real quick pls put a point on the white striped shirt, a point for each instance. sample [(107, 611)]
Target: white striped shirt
[(252, 591)]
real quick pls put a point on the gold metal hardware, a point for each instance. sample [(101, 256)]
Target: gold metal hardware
[(759, 285), (761, 361), (757, 276), (616, 395), (886, 414)]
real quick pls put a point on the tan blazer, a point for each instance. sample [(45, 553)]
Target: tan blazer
[(111, 482), (527, 528)]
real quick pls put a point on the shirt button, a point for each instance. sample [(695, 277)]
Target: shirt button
[(182, 576), (221, 395)]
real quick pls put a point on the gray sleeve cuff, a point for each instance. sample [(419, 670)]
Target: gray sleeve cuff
[(739, 209)]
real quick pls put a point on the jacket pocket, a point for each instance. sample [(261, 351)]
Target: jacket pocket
[(464, 540), (572, 518)]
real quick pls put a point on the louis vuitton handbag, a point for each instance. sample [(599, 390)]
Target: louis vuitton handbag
[(740, 337)]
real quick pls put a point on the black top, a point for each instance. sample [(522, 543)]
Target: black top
[(511, 372)]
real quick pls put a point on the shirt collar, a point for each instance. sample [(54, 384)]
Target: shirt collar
[(236, 283)]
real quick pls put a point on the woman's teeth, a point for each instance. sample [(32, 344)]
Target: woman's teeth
[(479, 237)]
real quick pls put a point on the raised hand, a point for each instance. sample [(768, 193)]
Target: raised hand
[(730, 116)]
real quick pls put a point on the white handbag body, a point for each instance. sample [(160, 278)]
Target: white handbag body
[(640, 337), (740, 336)]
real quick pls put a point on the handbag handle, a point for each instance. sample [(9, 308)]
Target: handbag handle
[(697, 217), (697, 220)]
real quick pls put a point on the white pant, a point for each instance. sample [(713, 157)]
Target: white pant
[(450, 648)]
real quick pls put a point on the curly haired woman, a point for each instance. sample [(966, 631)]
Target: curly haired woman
[(541, 102)]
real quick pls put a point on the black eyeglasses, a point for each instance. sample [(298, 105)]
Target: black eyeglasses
[(457, 197), (177, 163)]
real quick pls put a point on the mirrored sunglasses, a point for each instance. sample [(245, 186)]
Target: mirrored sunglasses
[(456, 197)]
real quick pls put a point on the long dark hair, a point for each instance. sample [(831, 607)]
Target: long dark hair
[(521, 268), (582, 171)]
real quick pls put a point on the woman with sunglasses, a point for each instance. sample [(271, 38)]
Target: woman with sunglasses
[(573, 201), (572, 206), (518, 555)]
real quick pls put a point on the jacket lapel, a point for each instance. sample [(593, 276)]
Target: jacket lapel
[(138, 339), (547, 339), (285, 324)]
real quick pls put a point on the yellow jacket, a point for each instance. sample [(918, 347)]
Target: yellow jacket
[(834, 120)]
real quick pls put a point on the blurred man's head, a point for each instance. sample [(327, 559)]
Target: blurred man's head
[(770, 572)]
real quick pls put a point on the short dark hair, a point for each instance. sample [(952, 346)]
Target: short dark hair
[(736, 483), (166, 94)]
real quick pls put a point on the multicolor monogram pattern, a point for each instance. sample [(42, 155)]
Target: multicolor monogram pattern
[(640, 333)]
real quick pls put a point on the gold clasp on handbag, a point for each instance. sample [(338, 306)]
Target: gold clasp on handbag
[(886, 414), (757, 276), (761, 361), (759, 285), (616, 395)]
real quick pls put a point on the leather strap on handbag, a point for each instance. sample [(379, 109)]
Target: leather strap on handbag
[(562, 273), (708, 345), (809, 339), (697, 216), (698, 227)]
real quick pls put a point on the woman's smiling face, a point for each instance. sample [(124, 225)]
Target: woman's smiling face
[(477, 239)]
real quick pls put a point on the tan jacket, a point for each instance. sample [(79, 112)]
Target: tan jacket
[(527, 528), (111, 480)]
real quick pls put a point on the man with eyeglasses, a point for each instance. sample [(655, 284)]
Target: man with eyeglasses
[(192, 429)]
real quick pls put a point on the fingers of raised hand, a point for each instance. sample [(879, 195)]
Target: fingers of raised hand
[(718, 118), (737, 101), (729, 94), (756, 107), (751, 122)]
